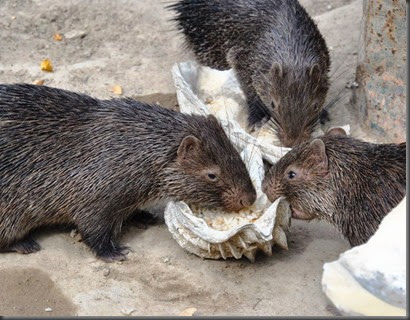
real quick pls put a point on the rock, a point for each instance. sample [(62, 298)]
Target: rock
[(370, 280), (75, 34), (38, 82), (116, 90), (188, 312), (128, 312), (352, 84)]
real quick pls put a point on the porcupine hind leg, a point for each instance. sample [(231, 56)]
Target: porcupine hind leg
[(25, 245)]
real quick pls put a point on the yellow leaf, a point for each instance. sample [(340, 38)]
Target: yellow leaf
[(58, 37), (38, 82), (46, 65), (187, 312), (117, 90)]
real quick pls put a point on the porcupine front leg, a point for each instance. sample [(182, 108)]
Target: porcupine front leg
[(101, 236), (324, 116), (257, 111), (142, 218)]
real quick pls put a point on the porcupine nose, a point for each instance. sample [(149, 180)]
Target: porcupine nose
[(269, 193), (247, 199), (265, 186)]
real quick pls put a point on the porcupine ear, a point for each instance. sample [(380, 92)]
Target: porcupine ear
[(215, 122), (188, 147), (336, 131), (266, 166), (212, 118), (317, 156), (315, 71), (276, 70)]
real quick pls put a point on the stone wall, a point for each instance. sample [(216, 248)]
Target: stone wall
[(381, 73)]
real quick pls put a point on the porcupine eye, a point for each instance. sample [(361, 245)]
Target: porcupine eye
[(211, 176), (291, 174), (274, 103)]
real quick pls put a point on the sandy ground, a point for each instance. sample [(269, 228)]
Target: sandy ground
[(132, 44)]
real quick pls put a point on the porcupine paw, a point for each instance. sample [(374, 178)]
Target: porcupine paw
[(257, 120), (324, 116), (258, 115), (257, 126), (141, 219), (25, 246), (113, 252)]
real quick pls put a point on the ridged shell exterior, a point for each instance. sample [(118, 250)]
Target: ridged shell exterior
[(195, 236)]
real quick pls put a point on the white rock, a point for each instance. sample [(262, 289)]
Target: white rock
[(73, 233), (75, 34), (371, 279), (128, 312)]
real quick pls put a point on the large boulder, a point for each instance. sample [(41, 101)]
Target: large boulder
[(370, 280)]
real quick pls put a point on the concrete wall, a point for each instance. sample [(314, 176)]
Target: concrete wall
[(381, 73)]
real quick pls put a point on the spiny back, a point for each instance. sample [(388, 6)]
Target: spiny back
[(41, 104), (212, 26), (370, 180), (38, 118), (364, 157)]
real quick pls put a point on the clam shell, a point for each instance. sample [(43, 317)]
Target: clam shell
[(202, 90), (194, 234)]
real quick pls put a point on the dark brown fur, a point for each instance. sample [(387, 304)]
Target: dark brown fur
[(349, 182), (67, 158), (280, 58)]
